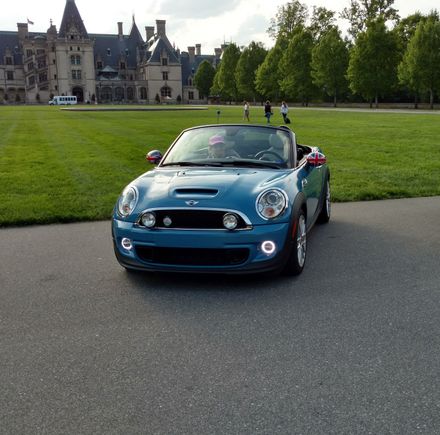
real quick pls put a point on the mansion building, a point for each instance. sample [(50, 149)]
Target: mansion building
[(99, 68)]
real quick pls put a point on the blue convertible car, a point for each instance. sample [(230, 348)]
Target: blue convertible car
[(224, 199)]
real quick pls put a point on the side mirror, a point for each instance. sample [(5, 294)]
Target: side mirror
[(154, 157), (316, 158)]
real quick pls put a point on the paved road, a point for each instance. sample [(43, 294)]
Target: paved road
[(352, 346)]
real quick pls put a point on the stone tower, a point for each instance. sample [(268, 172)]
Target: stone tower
[(74, 57)]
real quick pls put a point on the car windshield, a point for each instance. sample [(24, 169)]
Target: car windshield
[(231, 146)]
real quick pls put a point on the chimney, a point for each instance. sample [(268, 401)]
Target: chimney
[(23, 31), (120, 31), (198, 49), (218, 52), (191, 52), (149, 30), (160, 26)]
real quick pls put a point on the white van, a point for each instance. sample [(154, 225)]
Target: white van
[(59, 100)]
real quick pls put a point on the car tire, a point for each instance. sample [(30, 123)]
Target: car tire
[(297, 257), (324, 215)]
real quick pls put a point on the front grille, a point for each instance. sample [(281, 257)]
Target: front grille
[(193, 256), (193, 219)]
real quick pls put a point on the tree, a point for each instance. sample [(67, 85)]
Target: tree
[(250, 59), (204, 78), (295, 68), (267, 76), (372, 69), (321, 22), (361, 12), (329, 64), (215, 89), (406, 28), (290, 17), (420, 67), (226, 73)]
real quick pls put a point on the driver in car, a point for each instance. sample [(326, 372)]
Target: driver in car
[(218, 149)]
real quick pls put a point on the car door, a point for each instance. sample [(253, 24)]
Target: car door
[(311, 182)]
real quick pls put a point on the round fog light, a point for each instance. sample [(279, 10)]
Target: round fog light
[(230, 221), (126, 244), (148, 219), (268, 247)]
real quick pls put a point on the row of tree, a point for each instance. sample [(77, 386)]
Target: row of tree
[(382, 56)]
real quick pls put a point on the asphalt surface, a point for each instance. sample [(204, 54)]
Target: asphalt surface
[(352, 346)]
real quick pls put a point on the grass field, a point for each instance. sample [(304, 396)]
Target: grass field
[(63, 166)]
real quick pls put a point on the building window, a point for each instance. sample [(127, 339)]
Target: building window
[(122, 66), (75, 60), (31, 80), (76, 74), (30, 66), (143, 93), (190, 82), (29, 53), (99, 65), (9, 75), (9, 60), (119, 94), (191, 95), (164, 61), (42, 77), (164, 76), (165, 92), (109, 52), (42, 63)]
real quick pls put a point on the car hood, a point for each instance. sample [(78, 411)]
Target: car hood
[(225, 188)]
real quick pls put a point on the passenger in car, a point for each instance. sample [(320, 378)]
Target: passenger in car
[(218, 149)]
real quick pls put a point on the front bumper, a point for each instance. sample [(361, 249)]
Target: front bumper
[(202, 251)]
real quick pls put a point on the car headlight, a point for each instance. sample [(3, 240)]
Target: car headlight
[(271, 203), (127, 201)]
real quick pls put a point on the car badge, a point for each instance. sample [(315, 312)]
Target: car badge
[(167, 221), (191, 203)]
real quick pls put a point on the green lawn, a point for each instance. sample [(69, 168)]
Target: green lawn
[(61, 166)]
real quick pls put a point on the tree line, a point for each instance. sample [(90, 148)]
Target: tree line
[(383, 57)]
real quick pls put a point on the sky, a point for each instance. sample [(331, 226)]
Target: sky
[(188, 22)]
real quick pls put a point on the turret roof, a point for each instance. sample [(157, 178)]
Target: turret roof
[(71, 17)]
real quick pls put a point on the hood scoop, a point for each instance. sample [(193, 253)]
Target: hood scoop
[(194, 192)]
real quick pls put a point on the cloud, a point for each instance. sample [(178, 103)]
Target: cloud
[(242, 29), (253, 28), (197, 8)]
